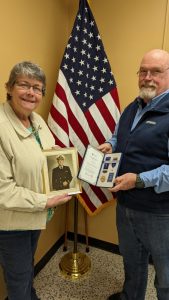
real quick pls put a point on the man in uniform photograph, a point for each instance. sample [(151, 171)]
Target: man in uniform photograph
[(61, 175)]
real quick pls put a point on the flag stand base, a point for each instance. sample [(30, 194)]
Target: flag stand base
[(74, 264)]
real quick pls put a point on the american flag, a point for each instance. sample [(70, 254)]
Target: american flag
[(85, 106)]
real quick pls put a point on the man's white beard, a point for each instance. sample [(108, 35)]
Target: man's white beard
[(148, 93)]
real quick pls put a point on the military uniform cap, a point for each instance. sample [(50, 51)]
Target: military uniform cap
[(60, 157)]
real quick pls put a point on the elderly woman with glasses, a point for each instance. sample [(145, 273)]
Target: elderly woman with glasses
[(24, 207)]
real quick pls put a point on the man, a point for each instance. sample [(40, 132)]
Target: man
[(142, 185), (61, 175)]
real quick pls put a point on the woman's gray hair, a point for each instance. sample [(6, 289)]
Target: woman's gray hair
[(28, 69)]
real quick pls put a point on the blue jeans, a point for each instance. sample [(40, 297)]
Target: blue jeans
[(17, 249), (142, 234)]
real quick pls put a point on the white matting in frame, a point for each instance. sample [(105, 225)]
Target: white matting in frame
[(60, 171)]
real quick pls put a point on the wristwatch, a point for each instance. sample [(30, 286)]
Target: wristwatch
[(139, 182)]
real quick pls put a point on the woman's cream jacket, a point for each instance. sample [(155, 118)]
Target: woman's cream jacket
[(22, 202)]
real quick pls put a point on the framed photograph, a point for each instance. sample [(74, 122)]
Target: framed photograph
[(60, 171)]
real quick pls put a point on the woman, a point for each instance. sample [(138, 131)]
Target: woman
[(23, 206)]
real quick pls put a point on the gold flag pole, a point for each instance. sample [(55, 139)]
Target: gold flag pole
[(75, 264)]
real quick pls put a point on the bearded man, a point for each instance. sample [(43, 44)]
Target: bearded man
[(142, 185)]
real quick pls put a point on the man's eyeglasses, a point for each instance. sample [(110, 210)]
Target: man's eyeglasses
[(26, 87), (153, 73)]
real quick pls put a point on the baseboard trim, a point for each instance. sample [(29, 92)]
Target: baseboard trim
[(81, 239), (44, 260), (106, 246), (110, 247)]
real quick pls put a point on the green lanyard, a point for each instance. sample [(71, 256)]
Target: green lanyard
[(37, 138), (35, 134)]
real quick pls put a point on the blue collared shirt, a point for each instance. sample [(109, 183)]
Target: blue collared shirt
[(159, 177)]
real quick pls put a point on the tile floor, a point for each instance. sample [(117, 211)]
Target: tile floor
[(105, 277)]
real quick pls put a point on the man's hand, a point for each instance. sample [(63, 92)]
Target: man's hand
[(125, 182), (105, 148)]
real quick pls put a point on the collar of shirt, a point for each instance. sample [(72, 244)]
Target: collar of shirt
[(142, 109)]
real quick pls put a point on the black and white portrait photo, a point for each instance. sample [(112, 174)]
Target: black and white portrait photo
[(60, 171)]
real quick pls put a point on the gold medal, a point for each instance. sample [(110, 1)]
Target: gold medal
[(102, 178)]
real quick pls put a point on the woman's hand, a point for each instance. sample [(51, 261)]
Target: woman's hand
[(57, 200), (105, 148)]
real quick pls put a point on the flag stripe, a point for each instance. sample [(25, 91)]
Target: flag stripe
[(106, 115), (72, 119), (112, 108), (80, 117), (56, 115), (95, 127), (63, 142), (97, 111)]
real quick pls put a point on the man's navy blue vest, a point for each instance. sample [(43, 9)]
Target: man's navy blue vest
[(144, 148)]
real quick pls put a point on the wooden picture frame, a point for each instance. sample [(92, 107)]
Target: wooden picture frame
[(60, 171)]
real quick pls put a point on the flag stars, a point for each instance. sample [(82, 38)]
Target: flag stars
[(100, 89), (77, 93), (102, 80), (84, 41), (81, 62), (65, 66), (95, 68), (79, 82), (83, 52), (111, 82), (80, 72), (105, 60), (96, 58), (85, 63), (90, 34), (103, 70), (66, 55)]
